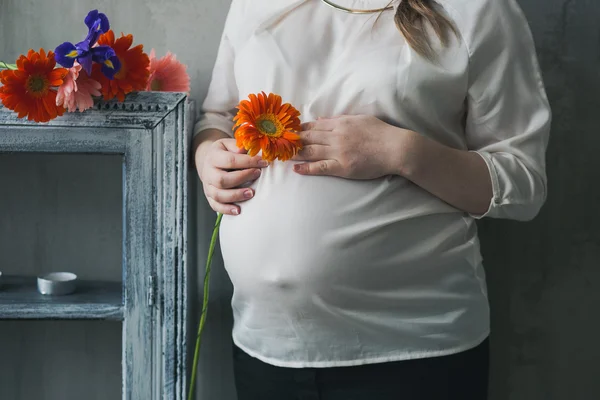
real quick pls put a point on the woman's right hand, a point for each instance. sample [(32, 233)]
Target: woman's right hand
[(225, 167)]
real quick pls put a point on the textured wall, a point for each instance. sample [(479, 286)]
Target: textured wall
[(543, 276)]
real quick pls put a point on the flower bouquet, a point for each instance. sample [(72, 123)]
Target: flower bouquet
[(99, 65)]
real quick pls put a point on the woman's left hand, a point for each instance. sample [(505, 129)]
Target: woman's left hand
[(353, 147)]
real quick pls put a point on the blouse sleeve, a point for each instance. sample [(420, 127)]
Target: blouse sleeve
[(508, 115), (218, 108)]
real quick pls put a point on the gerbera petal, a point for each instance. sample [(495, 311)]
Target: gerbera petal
[(255, 103), (262, 101), (20, 62), (291, 136), (49, 103), (284, 118), (285, 108), (108, 38), (39, 113), (38, 104), (247, 108), (277, 104), (57, 76), (124, 42)]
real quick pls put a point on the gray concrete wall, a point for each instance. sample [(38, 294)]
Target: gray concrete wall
[(544, 276)]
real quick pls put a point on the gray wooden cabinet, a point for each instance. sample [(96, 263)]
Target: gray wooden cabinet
[(150, 131)]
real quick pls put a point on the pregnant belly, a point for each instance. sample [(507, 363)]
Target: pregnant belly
[(302, 236)]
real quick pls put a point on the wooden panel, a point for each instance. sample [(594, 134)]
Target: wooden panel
[(138, 261), (45, 139), (170, 185), (184, 136), (19, 299), (140, 110), (169, 269)]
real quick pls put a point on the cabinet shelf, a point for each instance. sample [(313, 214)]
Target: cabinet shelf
[(93, 300), (151, 133)]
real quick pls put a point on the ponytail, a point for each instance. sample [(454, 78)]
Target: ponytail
[(411, 19)]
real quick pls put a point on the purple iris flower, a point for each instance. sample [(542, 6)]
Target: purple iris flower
[(97, 24), (85, 52)]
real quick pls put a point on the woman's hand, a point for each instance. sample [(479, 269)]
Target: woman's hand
[(225, 167), (363, 147), (354, 147)]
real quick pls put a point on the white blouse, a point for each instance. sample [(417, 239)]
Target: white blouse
[(335, 272)]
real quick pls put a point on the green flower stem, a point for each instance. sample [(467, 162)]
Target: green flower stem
[(211, 250), (4, 65)]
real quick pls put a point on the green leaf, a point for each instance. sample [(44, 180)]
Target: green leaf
[(4, 65)]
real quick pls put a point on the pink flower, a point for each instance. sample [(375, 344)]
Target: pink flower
[(77, 90), (167, 74)]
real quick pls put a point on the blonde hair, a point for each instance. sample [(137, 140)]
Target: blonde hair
[(411, 18)]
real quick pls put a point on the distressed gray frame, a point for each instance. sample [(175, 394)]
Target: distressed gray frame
[(151, 132)]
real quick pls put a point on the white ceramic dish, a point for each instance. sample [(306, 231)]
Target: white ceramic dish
[(57, 283)]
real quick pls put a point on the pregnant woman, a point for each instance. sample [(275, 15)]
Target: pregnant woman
[(356, 266)]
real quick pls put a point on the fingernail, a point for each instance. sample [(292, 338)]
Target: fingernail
[(297, 167), (263, 163), (235, 211), (257, 173), (248, 194)]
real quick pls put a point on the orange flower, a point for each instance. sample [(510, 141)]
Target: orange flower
[(29, 90), (134, 73), (263, 123)]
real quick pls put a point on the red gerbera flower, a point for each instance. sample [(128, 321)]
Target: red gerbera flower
[(134, 72), (30, 89), (263, 123)]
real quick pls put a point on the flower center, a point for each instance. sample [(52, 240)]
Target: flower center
[(37, 85), (269, 125)]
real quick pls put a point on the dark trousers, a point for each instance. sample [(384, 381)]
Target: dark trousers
[(462, 376)]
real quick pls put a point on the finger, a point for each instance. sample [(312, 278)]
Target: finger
[(313, 152), (231, 145), (231, 179), (230, 160), (334, 117), (227, 209), (314, 137), (321, 124), (228, 196), (323, 167)]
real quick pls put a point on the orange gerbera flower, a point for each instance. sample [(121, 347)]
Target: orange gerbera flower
[(30, 89), (134, 73), (263, 123)]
